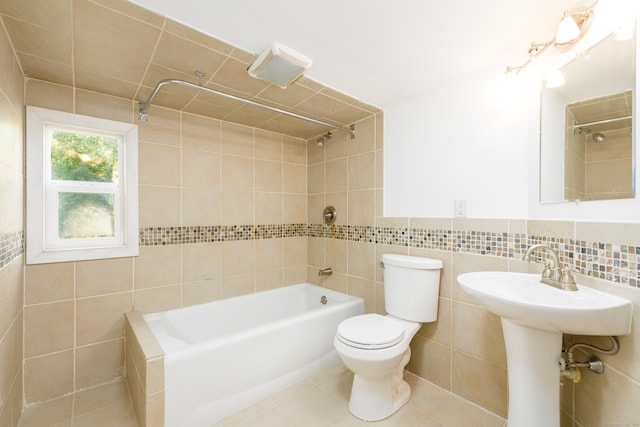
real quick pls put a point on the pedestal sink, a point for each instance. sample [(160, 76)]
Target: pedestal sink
[(534, 317)]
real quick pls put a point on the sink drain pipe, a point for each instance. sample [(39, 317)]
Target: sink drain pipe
[(570, 368)]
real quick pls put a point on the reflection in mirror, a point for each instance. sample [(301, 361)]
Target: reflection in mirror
[(598, 162), (586, 133)]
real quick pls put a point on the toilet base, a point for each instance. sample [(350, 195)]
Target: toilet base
[(378, 398)]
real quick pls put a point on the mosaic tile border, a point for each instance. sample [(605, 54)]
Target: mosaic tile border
[(160, 236), (613, 262), (11, 246)]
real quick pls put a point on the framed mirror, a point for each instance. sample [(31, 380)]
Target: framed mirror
[(587, 147)]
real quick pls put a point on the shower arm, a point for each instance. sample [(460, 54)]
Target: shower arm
[(599, 122), (144, 106)]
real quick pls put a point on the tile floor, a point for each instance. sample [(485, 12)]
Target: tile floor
[(105, 406), (318, 401)]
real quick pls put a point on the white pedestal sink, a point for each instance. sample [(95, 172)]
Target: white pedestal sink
[(534, 317)]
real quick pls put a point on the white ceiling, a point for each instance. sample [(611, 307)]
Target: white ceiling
[(380, 51)]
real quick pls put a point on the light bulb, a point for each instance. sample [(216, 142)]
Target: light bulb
[(568, 30)]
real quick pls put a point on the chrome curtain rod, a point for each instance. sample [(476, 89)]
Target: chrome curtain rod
[(599, 122), (144, 106)]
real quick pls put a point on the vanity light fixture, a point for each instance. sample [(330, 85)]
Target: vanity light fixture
[(568, 29), (573, 26)]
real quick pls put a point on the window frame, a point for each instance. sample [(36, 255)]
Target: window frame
[(42, 242)]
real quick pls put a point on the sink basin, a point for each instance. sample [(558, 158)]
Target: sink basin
[(522, 299), (534, 316)]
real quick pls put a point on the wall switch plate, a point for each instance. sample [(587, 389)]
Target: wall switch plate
[(460, 208)]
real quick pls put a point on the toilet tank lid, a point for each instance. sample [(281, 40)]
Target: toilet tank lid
[(408, 261)]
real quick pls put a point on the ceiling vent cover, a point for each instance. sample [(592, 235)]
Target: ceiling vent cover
[(279, 65)]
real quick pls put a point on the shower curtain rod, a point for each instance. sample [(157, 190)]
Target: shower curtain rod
[(599, 122), (144, 106)]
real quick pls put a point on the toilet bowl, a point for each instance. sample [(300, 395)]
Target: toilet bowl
[(376, 348), (378, 388)]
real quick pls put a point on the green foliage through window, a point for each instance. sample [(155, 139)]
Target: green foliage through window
[(87, 158), (81, 157)]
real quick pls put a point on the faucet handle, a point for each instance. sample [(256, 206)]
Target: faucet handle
[(566, 276), (568, 280), (547, 272)]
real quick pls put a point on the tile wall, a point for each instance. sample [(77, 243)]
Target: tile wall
[(11, 232), (222, 213)]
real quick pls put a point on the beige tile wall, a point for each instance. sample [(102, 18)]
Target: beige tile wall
[(193, 171), (609, 166), (346, 174), (11, 222)]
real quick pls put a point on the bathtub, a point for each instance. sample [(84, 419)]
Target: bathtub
[(224, 355)]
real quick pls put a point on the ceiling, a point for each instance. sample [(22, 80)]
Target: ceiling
[(367, 54), (381, 51)]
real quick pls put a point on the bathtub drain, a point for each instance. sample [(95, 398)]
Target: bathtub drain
[(323, 299)]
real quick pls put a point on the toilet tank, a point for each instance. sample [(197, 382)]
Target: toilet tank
[(411, 287)]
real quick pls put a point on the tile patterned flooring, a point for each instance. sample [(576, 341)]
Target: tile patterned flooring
[(318, 401)]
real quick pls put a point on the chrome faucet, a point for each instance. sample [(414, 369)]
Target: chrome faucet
[(553, 275)]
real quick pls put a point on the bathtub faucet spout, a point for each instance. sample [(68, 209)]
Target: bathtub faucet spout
[(325, 272)]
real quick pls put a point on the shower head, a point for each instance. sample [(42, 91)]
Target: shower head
[(597, 137), (324, 138)]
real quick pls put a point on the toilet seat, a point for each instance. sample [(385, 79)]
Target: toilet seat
[(370, 332)]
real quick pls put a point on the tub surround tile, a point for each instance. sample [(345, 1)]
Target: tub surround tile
[(100, 277), (157, 266), (159, 205), (234, 286), (99, 363), (101, 318), (201, 291), (158, 298), (48, 377), (49, 282), (49, 328)]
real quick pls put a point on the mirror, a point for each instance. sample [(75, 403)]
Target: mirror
[(586, 133)]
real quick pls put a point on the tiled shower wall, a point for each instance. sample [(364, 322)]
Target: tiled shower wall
[(222, 213), (11, 233)]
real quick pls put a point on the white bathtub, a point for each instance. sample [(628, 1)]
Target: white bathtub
[(224, 355)]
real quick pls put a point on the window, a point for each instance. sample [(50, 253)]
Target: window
[(82, 187)]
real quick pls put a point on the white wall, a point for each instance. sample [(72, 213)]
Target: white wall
[(478, 140), (467, 142)]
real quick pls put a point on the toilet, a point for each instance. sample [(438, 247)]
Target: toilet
[(376, 348)]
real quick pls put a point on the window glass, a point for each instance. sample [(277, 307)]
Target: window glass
[(85, 215), (83, 157), (82, 187)]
